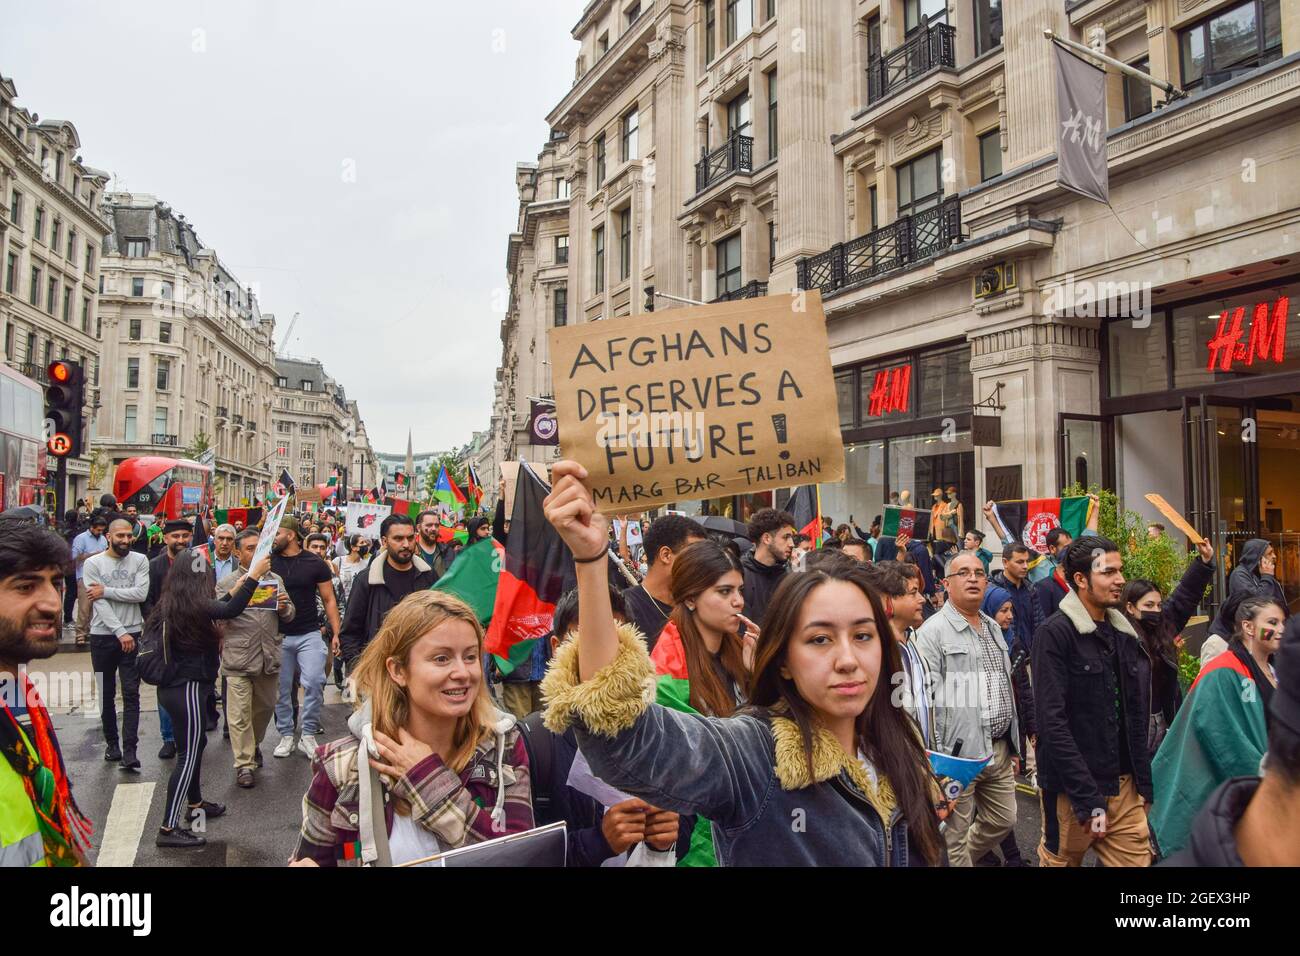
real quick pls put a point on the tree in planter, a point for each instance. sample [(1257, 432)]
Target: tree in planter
[(198, 446), (1160, 559)]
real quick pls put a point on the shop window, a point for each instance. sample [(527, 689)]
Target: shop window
[(1243, 341), (944, 382), (1138, 357), (862, 493), (844, 397), (920, 463), (885, 392)]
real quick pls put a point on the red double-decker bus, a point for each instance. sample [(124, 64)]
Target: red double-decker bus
[(167, 487), (22, 440)]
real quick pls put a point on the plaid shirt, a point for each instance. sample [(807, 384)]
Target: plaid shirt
[(997, 691), (457, 808)]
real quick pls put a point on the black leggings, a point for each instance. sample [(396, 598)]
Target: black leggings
[(185, 705)]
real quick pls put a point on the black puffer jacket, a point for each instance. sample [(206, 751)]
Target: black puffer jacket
[(760, 583)]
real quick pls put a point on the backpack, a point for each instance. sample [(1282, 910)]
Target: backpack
[(539, 744), (153, 660)]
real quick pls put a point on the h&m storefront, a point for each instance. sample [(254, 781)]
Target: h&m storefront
[(905, 419), (1203, 406)]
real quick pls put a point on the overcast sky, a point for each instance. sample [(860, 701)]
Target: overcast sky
[(250, 117)]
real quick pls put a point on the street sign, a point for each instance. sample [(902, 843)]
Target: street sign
[(60, 444)]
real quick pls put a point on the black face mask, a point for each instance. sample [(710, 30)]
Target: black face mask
[(1149, 618)]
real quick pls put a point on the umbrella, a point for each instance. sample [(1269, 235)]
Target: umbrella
[(728, 526), (32, 513)]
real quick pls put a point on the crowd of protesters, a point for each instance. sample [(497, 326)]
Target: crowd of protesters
[(804, 674)]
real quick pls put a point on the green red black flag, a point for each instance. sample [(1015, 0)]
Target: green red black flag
[(914, 523), (1029, 520), (805, 506), (538, 570)]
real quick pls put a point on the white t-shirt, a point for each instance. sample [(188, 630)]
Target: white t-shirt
[(410, 841)]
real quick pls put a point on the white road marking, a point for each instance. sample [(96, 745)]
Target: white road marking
[(125, 824)]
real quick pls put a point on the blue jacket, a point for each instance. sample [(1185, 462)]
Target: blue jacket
[(1028, 614), (747, 773)]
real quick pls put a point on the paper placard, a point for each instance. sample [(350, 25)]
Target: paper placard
[(1178, 521), (510, 472), (303, 495), (634, 538), (364, 518), (269, 530), (723, 399), (265, 596)]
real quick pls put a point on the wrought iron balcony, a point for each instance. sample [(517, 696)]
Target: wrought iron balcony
[(37, 373), (237, 419), (158, 438), (750, 290), (251, 426), (899, 245), (736, 155), (925, 50), (221, 411)]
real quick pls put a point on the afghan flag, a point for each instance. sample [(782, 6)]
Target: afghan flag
[(446, 492), (475, 487), (909, 521), (448, 533), (285, 485), (249, 516), (473, 578), (1031, 519), (673, 690), (538, 570), (401, 506), (806, 507)]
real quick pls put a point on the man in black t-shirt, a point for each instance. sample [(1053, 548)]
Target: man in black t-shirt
[(305, 576), (651, 602)]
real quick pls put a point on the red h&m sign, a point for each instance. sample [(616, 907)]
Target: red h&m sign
[(1267, 340), (890, 391)]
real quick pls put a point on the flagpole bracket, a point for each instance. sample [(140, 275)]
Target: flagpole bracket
[(994, 401)]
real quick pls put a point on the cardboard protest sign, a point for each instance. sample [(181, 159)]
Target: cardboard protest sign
[(634, 538), (510, 472), (267, 537), (364, 518), (304, 495), (1178, 521), (722, 399)]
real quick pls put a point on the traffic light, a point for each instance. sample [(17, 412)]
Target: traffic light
[(64, 398)]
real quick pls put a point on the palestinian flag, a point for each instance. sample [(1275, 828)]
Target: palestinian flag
[(806, 506), (673, 690), (538, 569), (446, 492), (915, 524), (1030, 520), (473, 578)]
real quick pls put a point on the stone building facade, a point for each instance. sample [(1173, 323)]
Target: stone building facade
[(51, 229), (188, 356), (313, 423)]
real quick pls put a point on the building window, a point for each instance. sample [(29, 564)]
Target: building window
[(133, 373), (871, 201), (284, 428), (770, 11), (625, 243), (308, 428), (710, 30), (561, 250), (11, 272), (90, 258), (15, 207), (599, 246), (160, 420), (308, 453), (633, 12), (133, 330), (629, 136), (740, 19), (771, 245), (164, 290), (600, 160), (129, 431), (9, 341), (51, 285), (31, 347), (49, 351), (1230, 43), (602, 44), (55, 228), (738, 115), (85, 316), (772, 139), (281, 381), (137, 287), (34, 293), (919, 185), (562, 188), (560, 306), (72, 245), (39, 225), (729, 264), (67, 305), (919, 13), (990, 154), (1137, 93), (137, 248), (306, 385), (988, 25), (164, 374), (164, 332), (58, 167)]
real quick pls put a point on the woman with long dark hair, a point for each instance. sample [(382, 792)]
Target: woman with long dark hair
[(820, 741), (183, 620), (1158, 623)]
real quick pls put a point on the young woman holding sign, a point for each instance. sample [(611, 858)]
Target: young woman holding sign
[(820, 769)]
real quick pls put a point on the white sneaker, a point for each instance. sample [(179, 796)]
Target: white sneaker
[(284, 747), (308, 745)]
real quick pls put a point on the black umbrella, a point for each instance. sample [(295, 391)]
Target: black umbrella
[(728, 526)]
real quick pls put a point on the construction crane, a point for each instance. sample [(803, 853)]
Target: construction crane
[(284, 342)]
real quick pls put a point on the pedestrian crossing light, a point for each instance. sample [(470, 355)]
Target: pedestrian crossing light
[(64, 397)]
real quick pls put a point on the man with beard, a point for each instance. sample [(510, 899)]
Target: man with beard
[(394, 573), (176, 535), (84, 547), (33, 780), (305, 576), (117, 581), (139, 534), (765, 566), (1094, 767)]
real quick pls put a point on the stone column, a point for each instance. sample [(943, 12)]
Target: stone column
[(1030, 73), (673, 171)]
